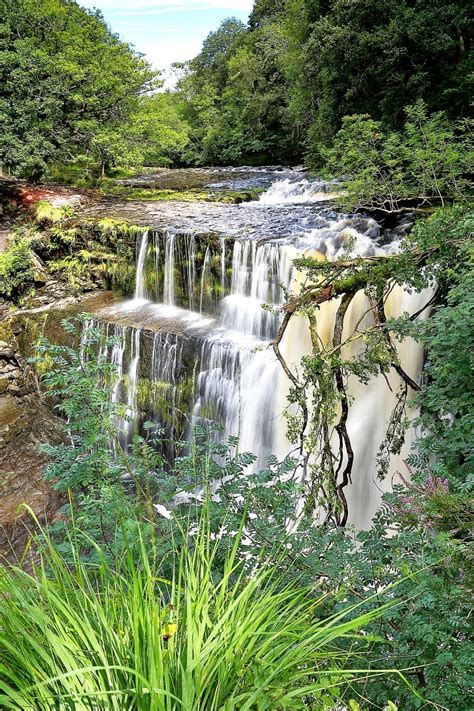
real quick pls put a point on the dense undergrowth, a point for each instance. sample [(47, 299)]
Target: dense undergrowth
[(17, 274)]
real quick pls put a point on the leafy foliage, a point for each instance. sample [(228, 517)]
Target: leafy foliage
[(17, 273), (426, 163), (154, 135), (120, 635), (446, 397), (281, 87), (235, 96), (420, 534), (46, 214), (65, 78), (376, 58)]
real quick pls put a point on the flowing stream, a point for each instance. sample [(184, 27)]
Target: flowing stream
[(192, 346)]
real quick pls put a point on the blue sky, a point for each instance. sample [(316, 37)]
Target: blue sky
[(168, 31)]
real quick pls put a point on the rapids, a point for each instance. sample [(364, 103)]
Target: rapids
[(192, 346)]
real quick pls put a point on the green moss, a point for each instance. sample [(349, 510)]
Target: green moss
[(6, 333), (113, 229), (94, 254), (153, 194)]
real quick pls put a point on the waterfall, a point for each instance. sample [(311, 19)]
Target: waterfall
[(132, 378), (116, 358), (301, 191), (191, 256), (260, 273), (205, 267), (157, 260), (186, 271), (235, 390), (223, 266), (165, 358), (140, 289), (371, 404), (196, 369), (168, 296)]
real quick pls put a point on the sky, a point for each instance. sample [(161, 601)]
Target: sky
[(167, 31)]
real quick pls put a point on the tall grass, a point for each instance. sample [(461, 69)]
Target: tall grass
[(116, 636)]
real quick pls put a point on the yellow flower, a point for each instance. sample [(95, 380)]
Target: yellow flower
[(169, 631)]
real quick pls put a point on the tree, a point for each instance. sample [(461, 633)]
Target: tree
[(235, 92), (375, 57), (65, 77), (154, 135), (426, 163)]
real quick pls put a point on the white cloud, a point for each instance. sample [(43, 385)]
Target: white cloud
[(162, 54)]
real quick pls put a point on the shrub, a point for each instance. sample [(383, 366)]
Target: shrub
[(16, 271), (426, 163), (47, 214)]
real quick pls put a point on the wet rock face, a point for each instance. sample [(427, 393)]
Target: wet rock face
[(25, 423)]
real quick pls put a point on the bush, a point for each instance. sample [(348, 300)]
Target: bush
[(47, 214), (426, 163), (16, 271)]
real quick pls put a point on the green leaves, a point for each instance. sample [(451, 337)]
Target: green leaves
[(16, 271), (446, 398), (120, 635), (62, 85), (425, 163)]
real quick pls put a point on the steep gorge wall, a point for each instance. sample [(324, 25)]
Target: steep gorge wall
[(26, 418), (25, 423)]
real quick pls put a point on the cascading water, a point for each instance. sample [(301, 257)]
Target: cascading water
[(223, 267), (140, 289), (299, 191), (205, 267), (239, 383), (117, 359), (191, 256), (132, 410), (260, 273), (168, 296)]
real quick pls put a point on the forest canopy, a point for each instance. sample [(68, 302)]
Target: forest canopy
[(273, 91), (279, 89), (66, 80)]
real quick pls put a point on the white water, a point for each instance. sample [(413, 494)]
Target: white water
[(236, 389), (240, 384), (260, 273), (371, 404), (168, 296), (300, 191), (132, 409), (191, 258), (205, 267), (140, 289)]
